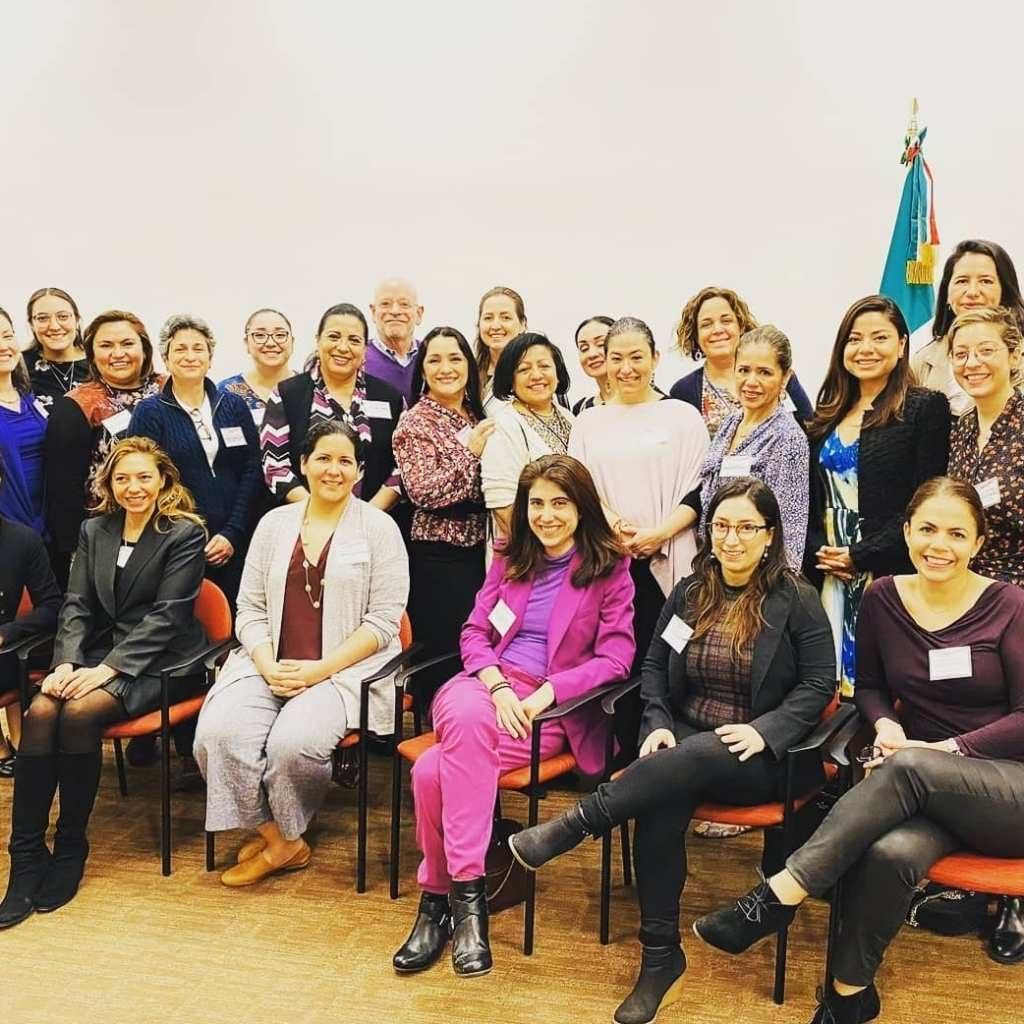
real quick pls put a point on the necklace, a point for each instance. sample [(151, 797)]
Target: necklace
[(65, 380), (307, 564)]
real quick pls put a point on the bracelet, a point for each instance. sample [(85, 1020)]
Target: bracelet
[(492, 690)]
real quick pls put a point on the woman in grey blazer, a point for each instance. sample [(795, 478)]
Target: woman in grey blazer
[(128, 612), (324, 586)]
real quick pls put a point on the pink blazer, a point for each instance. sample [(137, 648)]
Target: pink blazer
[(590, 644)]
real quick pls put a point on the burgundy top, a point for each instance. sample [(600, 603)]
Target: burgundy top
[(983, 713), (301, 623)]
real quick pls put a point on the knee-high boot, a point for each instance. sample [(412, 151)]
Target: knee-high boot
[(35, 781), (79, 779)]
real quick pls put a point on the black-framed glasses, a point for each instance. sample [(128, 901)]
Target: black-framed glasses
[(262, 338), (745, 531)]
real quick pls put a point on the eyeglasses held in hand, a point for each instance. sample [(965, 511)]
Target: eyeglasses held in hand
[(868, 754), (200, 424)]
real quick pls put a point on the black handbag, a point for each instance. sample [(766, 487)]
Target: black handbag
[(948, 911), (507, 879)]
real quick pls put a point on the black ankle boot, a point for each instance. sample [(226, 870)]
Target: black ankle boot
[(658, 985), (79, 780), (35, 781), (534, 847), (471, 950), (734, 929), (856, 1009), (1006, 946), (428, 937)]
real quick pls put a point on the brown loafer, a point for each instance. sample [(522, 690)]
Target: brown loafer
[(255, 869), (249, 850)]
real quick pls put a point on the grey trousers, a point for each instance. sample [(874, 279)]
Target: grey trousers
[(265, 758), (885, 833)]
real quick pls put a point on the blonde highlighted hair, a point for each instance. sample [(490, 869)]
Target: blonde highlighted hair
[(174, 501), (1000, 317), (686, 330)]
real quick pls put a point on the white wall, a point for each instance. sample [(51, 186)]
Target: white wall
[(218, 155)]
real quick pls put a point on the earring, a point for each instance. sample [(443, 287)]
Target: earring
[(764, 555)]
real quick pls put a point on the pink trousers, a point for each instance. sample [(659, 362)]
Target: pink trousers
[(455, 783)]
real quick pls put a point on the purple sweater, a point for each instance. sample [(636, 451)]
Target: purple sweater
[(985, 713), (384, 365)]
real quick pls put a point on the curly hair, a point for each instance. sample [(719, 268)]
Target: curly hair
[(686, 330), (184, 322)]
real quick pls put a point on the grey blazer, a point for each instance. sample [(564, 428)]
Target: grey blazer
[(145, 621)]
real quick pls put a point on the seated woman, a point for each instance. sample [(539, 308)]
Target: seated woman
[(947, 770), (127, 614), (740, 669), (323, 590), (552, 621)]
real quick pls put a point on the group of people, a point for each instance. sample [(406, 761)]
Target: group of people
[(748, 554)]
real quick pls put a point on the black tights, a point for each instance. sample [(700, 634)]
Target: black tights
[(52, 726)]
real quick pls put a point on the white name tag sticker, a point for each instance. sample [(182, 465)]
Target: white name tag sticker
[(676, 634), (257, 416), (463, 435), (41, 409), (949, 663), (501, 617), (736, 465), (988, 492), (124, 552), (118, 423), (377, 410), (233, 437)]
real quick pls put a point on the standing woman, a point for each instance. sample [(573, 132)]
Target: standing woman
[(210, 436), (875, 437), (590, 336), (269, 342), (530, 419), (709, 329), (977, 275), (56, 359), (324, 587), (645, 452), (22, 432), (761, 438), (85, 425), (501, 316), (552, 622), (127, 614), (438, 444), (333, 387)]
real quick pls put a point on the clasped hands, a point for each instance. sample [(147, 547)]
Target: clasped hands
[(742, 740), (835, 562), (290, 677), (66, 682), (641, 541), (890, 738), (516, 716)]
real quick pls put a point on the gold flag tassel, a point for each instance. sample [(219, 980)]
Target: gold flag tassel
[(922, 270)]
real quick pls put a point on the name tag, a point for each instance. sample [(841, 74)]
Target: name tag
[(788, 404), (257, 416), (463, 435), (41, 409), (677, 633), (949, 663), (377, 410), (118, 423), (988, 492), (124, 552), (233, 437), (736, 465), (501, 617)]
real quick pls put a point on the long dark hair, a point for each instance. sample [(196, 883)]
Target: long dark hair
[(512, 354), (19, 375), (706, 596), (471, 399), (1006, 272), (59, 293), (841, 389), (596, 544)]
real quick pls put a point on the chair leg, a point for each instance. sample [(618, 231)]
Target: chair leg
[(531, 890), (627, 858), (835, 907), (165, 803), (396, 821), (363, 799), (122, 778), (210, 854), (779, 990), (606, 884)]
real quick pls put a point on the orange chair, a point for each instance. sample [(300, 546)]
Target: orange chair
[(21, 650), (528, 780), (769, 817)]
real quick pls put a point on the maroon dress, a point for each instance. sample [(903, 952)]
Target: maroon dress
[(301, 622)]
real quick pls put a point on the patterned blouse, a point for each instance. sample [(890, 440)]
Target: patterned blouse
[(238, 385), (440, 474), (1002, 459), (553, 430), (716, 406)]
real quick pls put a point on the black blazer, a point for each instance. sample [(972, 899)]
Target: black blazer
[(894, 461), (68, 449), (25, 565), (792, 676), (297, 398), (146, 619)]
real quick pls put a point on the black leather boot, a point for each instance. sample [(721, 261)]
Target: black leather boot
[(35, 781), (534, 847), (1006, 946), (754, 916), (428, 937), (79, 780), (471, 950), (856, 1009), (658, 985)]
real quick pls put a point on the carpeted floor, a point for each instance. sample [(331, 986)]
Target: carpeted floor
[(136, 948)]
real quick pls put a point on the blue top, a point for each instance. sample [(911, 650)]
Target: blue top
[(21, 450), (529, 647)]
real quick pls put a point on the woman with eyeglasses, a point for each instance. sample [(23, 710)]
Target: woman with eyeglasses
[(211, 438), (875, 437), (740, 669), (269, 342), (945, 646), (56, 359)]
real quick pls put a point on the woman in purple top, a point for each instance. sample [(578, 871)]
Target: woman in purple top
[(947, 767), (553, 620)]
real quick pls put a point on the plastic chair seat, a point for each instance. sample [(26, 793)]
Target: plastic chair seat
[(351, 739), (1002, 875), (146, 725)]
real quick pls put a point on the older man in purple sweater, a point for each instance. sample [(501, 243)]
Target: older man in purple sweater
[(396, 313)]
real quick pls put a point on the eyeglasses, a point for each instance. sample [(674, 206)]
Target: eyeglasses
[(745, 531), (200, 424), (42, 319), (262, 338), (985, 353), (402, 305), (868, 754)]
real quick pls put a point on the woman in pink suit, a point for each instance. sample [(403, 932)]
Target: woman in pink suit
[(553, 620)]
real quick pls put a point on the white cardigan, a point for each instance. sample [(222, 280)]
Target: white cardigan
[(366, 583)]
